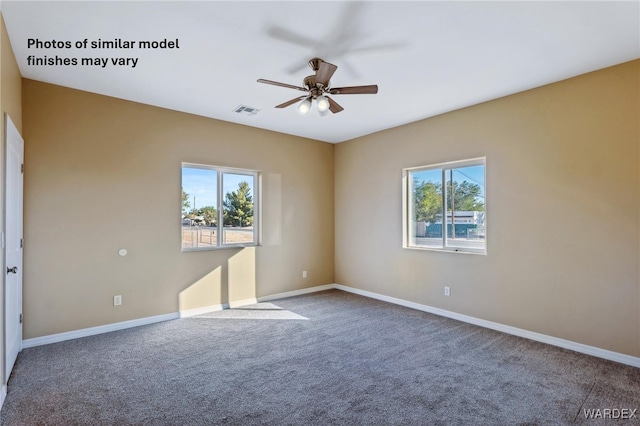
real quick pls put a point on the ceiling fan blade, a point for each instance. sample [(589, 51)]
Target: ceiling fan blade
[(333, 106), (379, 47), (275, 83), (291, 102), (325, 72), (296, 67), (290, 36), (355, 90)]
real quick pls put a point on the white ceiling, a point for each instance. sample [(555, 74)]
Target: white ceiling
[(426, 57)]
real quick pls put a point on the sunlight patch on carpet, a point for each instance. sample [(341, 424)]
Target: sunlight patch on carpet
[(261, 311)]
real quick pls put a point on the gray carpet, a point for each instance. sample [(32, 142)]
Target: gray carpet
[(349, 360)]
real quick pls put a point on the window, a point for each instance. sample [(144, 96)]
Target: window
[(219, 207), (445, 207)]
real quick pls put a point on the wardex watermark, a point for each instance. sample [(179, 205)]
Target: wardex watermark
[(610, 413)]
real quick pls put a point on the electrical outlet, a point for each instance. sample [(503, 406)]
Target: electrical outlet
[(117, 300), (447, 291), (304, 274)]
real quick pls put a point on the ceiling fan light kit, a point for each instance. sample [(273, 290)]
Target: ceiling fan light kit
[(304, 106), (318, 86), (323, 103)]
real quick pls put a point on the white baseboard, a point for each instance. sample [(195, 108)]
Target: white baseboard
[(213, 308), (3, 394), (203, 310), (296, 292), (538, 337), (555, 341), (61, 337), (243, 302)]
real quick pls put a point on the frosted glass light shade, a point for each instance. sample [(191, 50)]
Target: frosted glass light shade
[(304, 106), (323, 103)]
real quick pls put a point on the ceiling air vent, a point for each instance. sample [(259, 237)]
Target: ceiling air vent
[(246, 110)]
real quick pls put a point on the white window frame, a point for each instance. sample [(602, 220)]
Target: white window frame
[(257, 216), (409, 228)]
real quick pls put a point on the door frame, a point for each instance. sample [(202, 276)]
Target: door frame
[(10, 131)]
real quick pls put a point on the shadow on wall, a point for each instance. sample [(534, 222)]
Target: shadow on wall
[(230, 284)]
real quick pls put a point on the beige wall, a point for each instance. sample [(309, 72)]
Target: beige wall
[(563, 193), (11, 83), (104, 174), (10, 103)]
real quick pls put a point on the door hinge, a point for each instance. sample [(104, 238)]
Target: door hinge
[(22, 168), (21, 242), (20, 318)]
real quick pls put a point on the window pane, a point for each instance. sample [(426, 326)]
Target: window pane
[(237, 210), (465, 209), (199, 207), (427, 208)]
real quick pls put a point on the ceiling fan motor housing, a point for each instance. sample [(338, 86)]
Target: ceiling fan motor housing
[(315, 90)]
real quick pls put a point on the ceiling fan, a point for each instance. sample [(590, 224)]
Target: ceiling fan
[(318, 86)]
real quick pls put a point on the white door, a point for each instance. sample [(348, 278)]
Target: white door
[(13, 245)]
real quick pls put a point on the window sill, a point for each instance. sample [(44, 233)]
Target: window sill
[(225, 247), (448, 250)]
